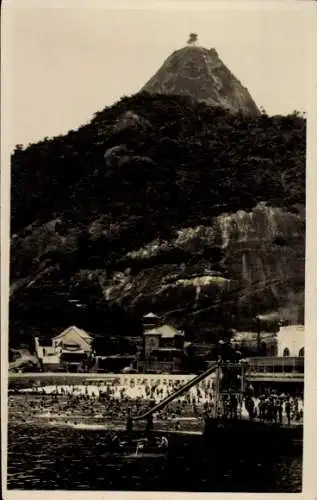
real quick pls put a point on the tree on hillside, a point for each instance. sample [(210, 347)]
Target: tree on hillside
[(192, 38)]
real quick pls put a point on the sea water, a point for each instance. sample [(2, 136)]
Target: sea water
[(44, 457)]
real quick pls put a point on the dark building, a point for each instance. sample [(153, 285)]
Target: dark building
[(163, 347)]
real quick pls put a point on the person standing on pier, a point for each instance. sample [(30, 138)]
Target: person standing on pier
[(249, 404), (280, 411), (233, 406)]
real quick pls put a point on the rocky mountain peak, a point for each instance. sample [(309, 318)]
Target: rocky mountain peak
[(200, 73)]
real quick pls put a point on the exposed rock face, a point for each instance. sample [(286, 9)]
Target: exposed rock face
[(130, 121), (200, 73), (260, 269)]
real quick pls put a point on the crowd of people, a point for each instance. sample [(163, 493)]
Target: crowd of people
[(281, 408), (116, 401)]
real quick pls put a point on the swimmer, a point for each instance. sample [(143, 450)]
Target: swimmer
[(164, 442)]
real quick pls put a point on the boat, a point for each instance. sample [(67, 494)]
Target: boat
[(140, 446), (136, 451)]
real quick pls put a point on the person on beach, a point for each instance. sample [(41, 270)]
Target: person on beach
[(280, 411), (274, 410)]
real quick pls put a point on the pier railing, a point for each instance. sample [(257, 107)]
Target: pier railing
[(276, 365)]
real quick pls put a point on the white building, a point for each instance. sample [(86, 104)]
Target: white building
[(46, 354), (73, 339), (68, 349), (291, 341)]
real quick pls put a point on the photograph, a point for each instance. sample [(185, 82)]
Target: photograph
[(157, 234)]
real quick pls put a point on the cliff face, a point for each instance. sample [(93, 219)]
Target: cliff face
[(241, 265), (200, 73), (162, 204)]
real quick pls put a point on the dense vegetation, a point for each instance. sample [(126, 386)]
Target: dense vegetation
[(174, 163), (193, 160)]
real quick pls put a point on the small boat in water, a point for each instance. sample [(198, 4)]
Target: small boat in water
[(139, 447)]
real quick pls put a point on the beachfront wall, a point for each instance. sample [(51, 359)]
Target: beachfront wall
[(290, 341), (96, 379)]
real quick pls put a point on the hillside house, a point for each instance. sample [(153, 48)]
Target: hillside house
[(74, 347), (73, 339), (67, 351), (163, 348), (163, 337)]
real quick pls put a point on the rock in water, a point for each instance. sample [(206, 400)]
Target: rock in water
[(200, 73)]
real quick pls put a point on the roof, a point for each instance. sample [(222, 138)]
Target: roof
[(165, 331), (150, 315), (292, 328), (80, 332), (291, 331)]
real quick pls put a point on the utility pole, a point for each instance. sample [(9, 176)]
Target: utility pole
[(258, 337), (217, 390), (242, 388)]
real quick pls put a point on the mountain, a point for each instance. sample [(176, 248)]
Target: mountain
[(200, 73), (164, 204)]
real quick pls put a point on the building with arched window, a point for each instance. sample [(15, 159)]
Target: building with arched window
[(290, 341)]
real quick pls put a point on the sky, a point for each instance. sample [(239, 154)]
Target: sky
[(64, 64)]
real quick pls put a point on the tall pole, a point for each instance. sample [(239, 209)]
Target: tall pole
[(217, 390), (258, 335), (242, 388)]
